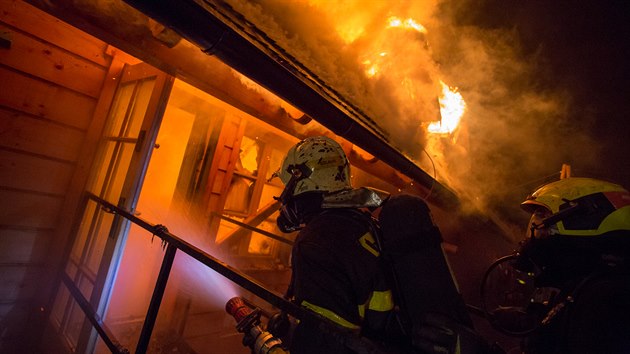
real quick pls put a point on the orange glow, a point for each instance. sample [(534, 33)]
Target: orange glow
[(373, 66), (452, 104), (409, 23), (452, 108), (398, 53)]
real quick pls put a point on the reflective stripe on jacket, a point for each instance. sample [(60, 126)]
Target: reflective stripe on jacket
[(337, 273)]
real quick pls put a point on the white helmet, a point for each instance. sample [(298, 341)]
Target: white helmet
[(316, 164)]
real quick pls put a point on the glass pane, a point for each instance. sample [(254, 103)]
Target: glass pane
[(91, 239), (86, 286), (59, 306), (192, 314), (101, 166), (118, 110), (84, 230), (114, 155), (75, 324), (120, 166), (98, 241), (132, 291), (72, 268), (140, 105)]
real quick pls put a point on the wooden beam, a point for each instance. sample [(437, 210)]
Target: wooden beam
[(253, 221), (128, 29)]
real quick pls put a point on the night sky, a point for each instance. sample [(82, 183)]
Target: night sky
[(585, 50)]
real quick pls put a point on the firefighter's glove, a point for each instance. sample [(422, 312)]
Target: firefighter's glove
[(249, 340), (279, 324)]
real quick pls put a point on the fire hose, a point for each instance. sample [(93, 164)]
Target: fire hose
[(264, 342), (248, 322)]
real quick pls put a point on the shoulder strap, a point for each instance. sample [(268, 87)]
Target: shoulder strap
[(402, 318)]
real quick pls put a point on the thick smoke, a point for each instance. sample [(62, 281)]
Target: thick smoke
[(335, 40), (516, 131), (518, 127)]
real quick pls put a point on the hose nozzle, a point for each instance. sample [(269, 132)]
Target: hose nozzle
[(236, 308), (248, 320)]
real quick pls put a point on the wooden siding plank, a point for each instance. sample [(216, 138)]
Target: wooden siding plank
[(32, 20), (32, 173), (24, 132), (45, 100), (19, 282), (24, 245), (17, 313), (53, 64), (29, 210)]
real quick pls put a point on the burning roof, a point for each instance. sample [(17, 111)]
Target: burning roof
[(227, 34)]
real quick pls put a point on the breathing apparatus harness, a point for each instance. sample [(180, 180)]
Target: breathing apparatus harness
[(413, 323)]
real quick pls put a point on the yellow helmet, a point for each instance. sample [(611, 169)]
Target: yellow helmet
[(581, 206)]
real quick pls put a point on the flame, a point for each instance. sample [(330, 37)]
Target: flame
[(452, 104), (373, 66), (409, 23), (452, 108)]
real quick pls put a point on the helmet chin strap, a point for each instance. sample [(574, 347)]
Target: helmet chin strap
[(287, 192), (290, 219)]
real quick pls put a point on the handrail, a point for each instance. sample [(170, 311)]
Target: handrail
[(255, 229), (101, 328), (174, 243)]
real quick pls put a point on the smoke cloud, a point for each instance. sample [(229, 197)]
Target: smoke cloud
[(517, 130), (518, 126)]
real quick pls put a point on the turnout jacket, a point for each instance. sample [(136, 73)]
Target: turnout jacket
[(337, 274)]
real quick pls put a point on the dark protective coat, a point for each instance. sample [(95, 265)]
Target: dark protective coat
[(336, 271)]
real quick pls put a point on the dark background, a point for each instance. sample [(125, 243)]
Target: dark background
[(584, 49)]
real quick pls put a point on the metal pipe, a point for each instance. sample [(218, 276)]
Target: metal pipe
[(156, 299), (220, 267), (219, 31), (347, 337), (255, 229), (106, 335)]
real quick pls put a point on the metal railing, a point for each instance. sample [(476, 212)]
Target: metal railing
[(172, 245)]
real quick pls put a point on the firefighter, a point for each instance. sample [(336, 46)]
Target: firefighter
[(336, 271), (338, 268), (577, 253)]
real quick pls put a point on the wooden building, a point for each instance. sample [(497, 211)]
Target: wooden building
[(98, 100)]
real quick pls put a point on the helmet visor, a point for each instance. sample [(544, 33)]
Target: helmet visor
[(537, 224)]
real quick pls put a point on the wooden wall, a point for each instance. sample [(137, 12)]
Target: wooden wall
[(51, 77)]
